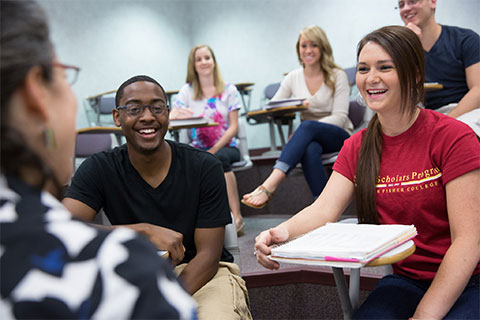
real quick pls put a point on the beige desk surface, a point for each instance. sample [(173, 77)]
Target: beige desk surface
[(397, 254), (190, 126), (168, 92), (101, 94), (432, 86), (117, 130), (244, 86), (277, 111)]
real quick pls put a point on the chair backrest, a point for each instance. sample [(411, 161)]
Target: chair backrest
[(356, 113), (90, 143), (351, 73), (270, 90), (245, 162), (107, 104)]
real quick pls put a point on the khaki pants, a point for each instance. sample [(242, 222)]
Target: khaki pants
[(224, 297)]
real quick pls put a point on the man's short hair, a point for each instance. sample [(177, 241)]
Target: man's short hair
[(134, 79)]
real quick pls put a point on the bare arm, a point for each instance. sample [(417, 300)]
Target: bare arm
[(471, 100), (162, 238), (328, 207), (202, 268), (464, 253), (229, 133), (79, 209)]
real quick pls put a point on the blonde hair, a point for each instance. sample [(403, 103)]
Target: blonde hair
[(316, 35), (192, 75)]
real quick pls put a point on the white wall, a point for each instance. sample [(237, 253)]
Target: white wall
[(253, 40)]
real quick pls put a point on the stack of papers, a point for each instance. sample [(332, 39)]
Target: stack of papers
[(343, 244), (284, 103)]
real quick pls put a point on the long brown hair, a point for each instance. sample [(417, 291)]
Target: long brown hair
[(316, 35), (405, 48), (192, 75)]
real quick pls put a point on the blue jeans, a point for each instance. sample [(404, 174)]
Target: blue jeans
[(397, 297), (309, 142)]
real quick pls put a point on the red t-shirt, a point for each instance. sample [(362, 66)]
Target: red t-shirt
[(414, 169)]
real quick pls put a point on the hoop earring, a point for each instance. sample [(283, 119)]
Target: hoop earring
[(360, 100), (49, 138)]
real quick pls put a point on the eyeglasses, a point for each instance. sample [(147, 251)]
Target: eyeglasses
[(401, 4), (71, 72), (135, 109)]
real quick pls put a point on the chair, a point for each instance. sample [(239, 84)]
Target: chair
[(279, 120), (90, 143), (231, 240), (356, 113), (270, 90), (351, 73), (245, 90), (245, 162), (350, 301), (100, 105)]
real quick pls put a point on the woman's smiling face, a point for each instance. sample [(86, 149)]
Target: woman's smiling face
[(377, 78)]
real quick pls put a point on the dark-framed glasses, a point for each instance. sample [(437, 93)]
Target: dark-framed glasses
[(71, 72), (135, 109), (401, 4)]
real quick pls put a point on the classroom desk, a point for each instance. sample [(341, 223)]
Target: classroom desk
[(117, 131), (276, 116), (110, 130), (174, 130), (432, 86), (349, 298), (245, 90), (97, 96), (94, 99), (170, 94)]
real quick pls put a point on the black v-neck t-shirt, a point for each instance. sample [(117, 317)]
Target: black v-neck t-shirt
[(192, 195)]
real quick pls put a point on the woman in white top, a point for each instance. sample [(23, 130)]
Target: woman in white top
[(325, 124), (206, 94)]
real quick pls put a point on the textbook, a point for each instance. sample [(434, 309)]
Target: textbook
[(188, 121), (343, 244), (284, 103)]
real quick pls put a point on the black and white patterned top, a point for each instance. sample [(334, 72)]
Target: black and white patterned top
[(52, 266)]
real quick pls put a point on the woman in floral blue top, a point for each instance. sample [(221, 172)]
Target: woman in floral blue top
[(206, 94)]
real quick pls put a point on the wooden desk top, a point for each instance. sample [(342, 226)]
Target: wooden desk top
[(195, 125), (168, 93), (244, 86), (277, 111), (399, 253), (101, 94), (171, 92), (118, 130), (115, 130), (432, 86)]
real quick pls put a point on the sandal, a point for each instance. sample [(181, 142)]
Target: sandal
[(257, 192)]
